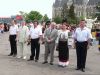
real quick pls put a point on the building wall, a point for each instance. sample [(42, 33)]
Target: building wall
[(5, 20), (56, 12), (79, 10)]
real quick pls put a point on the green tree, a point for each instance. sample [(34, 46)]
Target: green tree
[(82, 17), (71, 12), (72, 19), (57, 19), (45, 18), (34, 15), (64, 13), (23, 14)]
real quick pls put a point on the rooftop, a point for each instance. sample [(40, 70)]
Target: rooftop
[(60, 3)]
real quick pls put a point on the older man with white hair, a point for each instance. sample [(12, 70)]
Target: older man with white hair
[(50, 36), (22, 39)]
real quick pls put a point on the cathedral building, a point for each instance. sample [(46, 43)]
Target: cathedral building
[(82, 7)]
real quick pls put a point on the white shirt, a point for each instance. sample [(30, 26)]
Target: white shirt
[(35, 32), (82, 35), (62, 35), (13, 30)]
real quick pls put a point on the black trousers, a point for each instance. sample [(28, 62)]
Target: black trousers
[(13, 44), (35, 49), (81, 51)]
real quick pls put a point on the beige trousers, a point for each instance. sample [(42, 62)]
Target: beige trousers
[(22, 49)]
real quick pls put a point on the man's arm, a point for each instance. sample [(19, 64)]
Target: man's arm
[(17, 30), (55, 37), (45, 36)]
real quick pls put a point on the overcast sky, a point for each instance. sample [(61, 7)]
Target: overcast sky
[(12, 7)]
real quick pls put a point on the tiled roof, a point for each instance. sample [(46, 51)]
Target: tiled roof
[(79, 2), (93, 2), (60, 3)]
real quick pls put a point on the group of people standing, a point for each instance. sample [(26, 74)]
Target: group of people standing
[(51, 38), (4, 27)]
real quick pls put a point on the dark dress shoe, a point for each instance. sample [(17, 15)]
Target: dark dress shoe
[(30, 59), (51, 63), (10, 54), (77, 69), (83, 70), (36, 60), (14, 55), (45, 62)]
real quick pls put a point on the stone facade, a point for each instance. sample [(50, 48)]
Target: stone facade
[(79, 7)]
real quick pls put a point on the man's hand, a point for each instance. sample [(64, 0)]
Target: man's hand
[(16, 39), (29, 42), (49, 41)]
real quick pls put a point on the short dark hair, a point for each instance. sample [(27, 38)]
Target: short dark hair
[(64, 20), (48, 22), (82, 20), (36, 21), (15, 20)]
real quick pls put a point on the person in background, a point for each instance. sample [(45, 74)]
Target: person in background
[(22, 40), (47, 24), (35, 35), (98, 35), (43, 27), (82, 38), (43, 30), (5, 27), (73, 33), (50, 36), (13, 32), (2, 27), (28, 25), (63, 45)]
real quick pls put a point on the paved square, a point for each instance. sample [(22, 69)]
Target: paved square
[(15, 66)]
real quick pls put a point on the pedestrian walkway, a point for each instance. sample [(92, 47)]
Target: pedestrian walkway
[(15, 66)]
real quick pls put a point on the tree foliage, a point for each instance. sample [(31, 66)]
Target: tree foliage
[(57, 19), (45, 18), (72, 19), (32, 15), (64, 13), (71, 12)]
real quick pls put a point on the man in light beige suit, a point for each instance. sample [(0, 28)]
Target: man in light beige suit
[(50, 35), (22, 39)]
